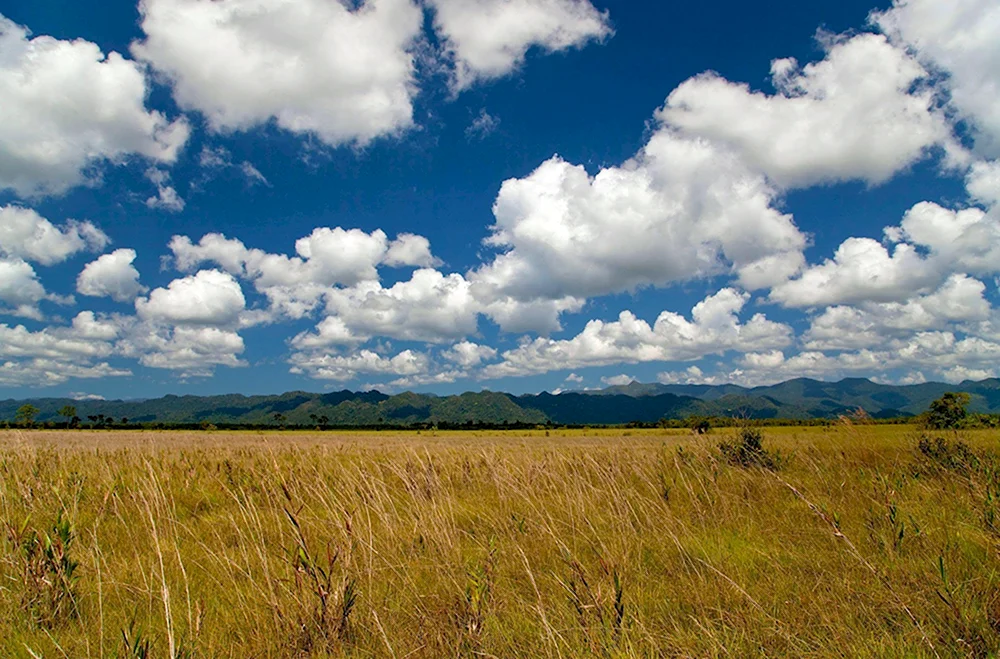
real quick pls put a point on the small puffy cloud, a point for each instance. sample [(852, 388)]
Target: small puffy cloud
[(111, 275), (342, 368), (294, 285), (20, 290), (209, 297), (983, 182), (488, 39), (574, 378), (409, 250), (429, 307), (959, 300), (958, 38), (931, 243), (681, 209), (66, 107), (861, 269), (468, 354), (618, 380), (690, 375), (167, 199), (56, 354), (190, 350), (713, 329), (859, 114), (27, 235), (966, 239), (343, 74)]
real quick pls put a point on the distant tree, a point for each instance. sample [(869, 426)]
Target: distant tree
[(69, 412), (948, 411), (700, 424), (279, 418), (26, 414)]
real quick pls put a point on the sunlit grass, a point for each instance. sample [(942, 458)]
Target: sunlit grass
[(611, 543)]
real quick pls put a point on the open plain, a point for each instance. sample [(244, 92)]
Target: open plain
[(857, 541)]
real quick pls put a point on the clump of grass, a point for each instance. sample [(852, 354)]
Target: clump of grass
[(326, 599), (48, 570), (747, 449), (948, 453)]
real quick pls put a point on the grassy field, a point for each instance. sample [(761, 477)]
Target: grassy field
[(516, 544)]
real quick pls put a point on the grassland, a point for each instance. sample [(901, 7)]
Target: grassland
[(528, 544)]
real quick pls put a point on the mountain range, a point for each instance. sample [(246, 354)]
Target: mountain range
[(800, 398)]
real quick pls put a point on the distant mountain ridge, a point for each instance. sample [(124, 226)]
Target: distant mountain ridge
[(801, 398)]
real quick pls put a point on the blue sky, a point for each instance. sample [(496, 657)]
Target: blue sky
[(443, 195)]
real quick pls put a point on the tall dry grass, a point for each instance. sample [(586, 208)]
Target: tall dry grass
[(607, 544)]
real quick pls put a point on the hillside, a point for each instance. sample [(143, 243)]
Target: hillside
[(795, 399)]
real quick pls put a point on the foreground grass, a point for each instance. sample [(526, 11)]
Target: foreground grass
[(611, 544)]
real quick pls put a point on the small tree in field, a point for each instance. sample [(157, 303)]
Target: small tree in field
[(69, 412), (26, 414), (948, 411)]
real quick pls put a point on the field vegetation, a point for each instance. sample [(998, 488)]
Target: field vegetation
[(849, 540)]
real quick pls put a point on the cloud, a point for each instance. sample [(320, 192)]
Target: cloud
[(714, 329), (574, 378), (209, 297), (20, 288), (342, 368), (943, 354), (166, 199), (488, 39), (294, 285), (958, 38), (861, 269), (217, 158), (191, 350), (959, 300), (482, 126), (68, 107), (618, 380), (312, 66), (111, 275), (862, 113), (931, 243), (468, 354), (54, 354), (27, 235), (429, 307), (680, 210)]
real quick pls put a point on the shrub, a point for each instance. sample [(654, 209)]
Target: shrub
[(747, 449), (951, 454)]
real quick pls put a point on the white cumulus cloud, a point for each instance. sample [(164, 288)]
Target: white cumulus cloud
[(67, 106), (343, 74), (27, 235), (489, 39), (859, 114), (714, 328), (111, 275), (958, 37), (210, 298)]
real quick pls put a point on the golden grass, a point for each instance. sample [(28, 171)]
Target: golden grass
[(529, 544)]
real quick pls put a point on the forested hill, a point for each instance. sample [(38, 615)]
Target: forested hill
[(795, 399)]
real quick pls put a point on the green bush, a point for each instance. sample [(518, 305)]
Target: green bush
[(747, 449)]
